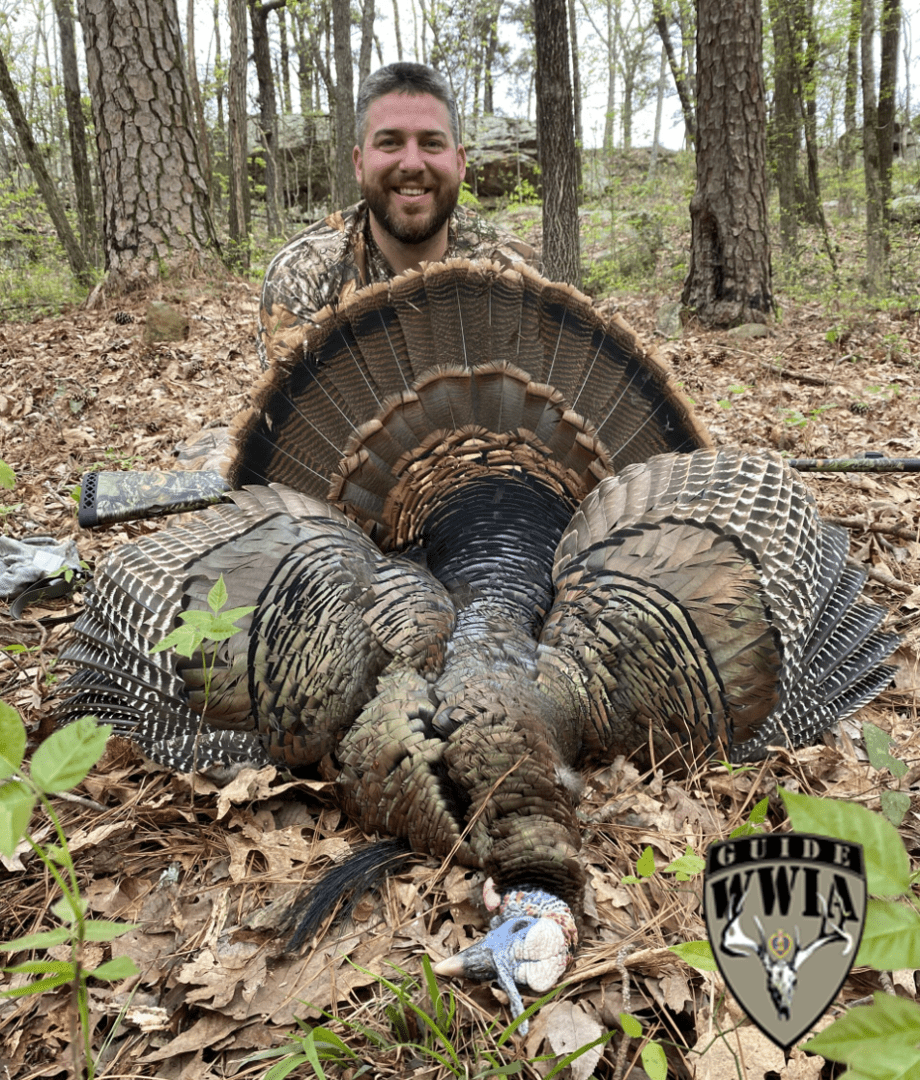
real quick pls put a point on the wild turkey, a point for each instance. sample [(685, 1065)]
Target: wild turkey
[(485, 539)]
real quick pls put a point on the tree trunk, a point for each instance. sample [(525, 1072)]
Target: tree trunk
[(729, 280), (887, 90), (305, 65), (851, 90), (346, 189), (284, 63), (491, 50), (237, 141), (556, 142), (259, 10), (82, 175), (49, 190), (154, 195), (195, 91), (220, 80), (576, 96), (367, 40), (659, 105), (807, 92), (684, 91), (784, 134), (396, 29), (878, 131)]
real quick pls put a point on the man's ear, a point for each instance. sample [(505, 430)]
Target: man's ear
[(461, 162), (356, 158)]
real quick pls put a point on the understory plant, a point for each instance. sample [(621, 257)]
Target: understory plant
[(60, 763)]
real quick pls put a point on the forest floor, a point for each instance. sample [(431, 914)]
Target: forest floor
[(196, 868)]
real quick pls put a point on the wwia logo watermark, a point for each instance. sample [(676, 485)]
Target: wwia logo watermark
[(784, 915)]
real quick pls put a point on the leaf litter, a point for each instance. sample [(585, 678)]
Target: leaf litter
[(208, 872)]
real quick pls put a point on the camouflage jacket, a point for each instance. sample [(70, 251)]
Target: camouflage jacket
[(331, 259)]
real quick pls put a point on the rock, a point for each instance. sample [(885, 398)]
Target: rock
[(749, 331), (164, 323), (501, 155), (906, 209), (668, 322)]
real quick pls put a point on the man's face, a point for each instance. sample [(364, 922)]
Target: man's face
[(409, 168)]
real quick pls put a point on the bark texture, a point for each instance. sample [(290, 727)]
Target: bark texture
[(556, 142), (79, 157), (154, 194), (237, 140), (730, 279)]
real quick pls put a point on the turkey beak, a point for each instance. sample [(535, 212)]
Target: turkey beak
[(479, 962), (492, 958)]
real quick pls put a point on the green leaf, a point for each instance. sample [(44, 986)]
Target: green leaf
[(891, 938), (759, 811), (67, 755), (631, 1026), (217, 597), (324, 1039), (231, 615), (655, 1061), (895, 805), (37, 987), (44, 939), (686, 866), (12, 741), (104, 930), (697, 954), (887, 866), (44, 967), (756, 819), (630, 879), (120, 967), (877, 747), (645, 864), (202, 621), (16, 804), (879, 1040), (186, 640), (69, 909), (7, 476)]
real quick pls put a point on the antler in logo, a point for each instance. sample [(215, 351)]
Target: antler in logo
[(781, 959)]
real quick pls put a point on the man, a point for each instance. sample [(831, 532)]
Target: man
[(410, 165)]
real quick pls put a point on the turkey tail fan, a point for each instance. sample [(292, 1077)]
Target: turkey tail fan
[(458, 345)]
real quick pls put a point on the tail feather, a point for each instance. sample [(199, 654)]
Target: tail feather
[(342, 886)]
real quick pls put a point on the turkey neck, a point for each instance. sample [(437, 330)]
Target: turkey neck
[(495, 537)]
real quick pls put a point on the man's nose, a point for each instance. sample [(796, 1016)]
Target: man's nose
[(411, 160)]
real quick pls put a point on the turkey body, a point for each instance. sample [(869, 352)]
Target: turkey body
[(484, 540)]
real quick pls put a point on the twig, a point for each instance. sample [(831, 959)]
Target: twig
[(862, 525), (796, 376), (884, 578), (620, 962), (81, 800)]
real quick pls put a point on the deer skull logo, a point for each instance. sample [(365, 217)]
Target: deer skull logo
[(784, 915)]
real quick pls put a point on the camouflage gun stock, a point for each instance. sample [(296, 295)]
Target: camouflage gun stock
[(108, 497)]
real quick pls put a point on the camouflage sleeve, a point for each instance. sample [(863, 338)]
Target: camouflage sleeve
[(313, 270)]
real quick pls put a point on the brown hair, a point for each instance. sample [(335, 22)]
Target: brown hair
[(404, 78)]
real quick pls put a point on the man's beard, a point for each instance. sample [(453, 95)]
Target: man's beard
[(414, 229)]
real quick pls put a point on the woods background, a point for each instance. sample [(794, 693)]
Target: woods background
[(144, 137)]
